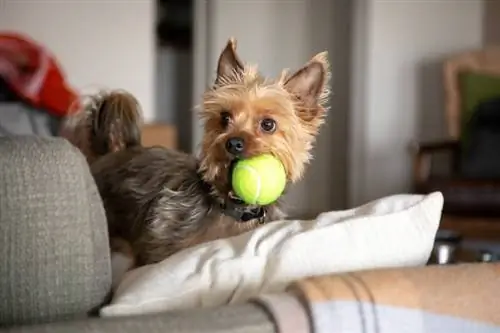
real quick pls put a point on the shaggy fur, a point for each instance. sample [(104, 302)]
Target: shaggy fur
[(159, 201)]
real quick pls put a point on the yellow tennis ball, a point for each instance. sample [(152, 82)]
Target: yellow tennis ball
[(259, 180)]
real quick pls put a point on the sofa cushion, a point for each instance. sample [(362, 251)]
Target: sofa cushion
[(245, 318), (53, 236)]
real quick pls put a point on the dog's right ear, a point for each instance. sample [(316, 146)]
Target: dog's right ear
[(229, 62)]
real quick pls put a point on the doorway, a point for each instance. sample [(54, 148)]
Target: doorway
[(174, 63)]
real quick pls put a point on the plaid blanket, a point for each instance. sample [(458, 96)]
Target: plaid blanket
[(457, 299)]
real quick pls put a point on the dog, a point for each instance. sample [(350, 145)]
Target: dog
[(159, 201)]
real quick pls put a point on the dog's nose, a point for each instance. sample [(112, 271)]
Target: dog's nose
[(235, 146)]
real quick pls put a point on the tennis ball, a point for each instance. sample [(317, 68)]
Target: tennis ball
[(259, 180)]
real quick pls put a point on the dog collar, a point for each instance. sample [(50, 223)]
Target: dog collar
[(237, 209), (243, 213)]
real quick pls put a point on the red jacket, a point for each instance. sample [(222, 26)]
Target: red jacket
[(34, 75)]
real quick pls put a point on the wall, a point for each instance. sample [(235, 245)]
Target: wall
[(397, 90), (99, 43), (286, 34), (492, 22)]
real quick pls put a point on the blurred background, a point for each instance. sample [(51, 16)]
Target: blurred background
[(386, 58)]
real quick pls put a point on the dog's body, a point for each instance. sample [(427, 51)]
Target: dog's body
[(156, 199), (159, 201)]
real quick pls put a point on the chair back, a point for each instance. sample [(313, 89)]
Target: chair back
[(485, 63)]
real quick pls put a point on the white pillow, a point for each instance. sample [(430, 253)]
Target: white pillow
[(390, 232)]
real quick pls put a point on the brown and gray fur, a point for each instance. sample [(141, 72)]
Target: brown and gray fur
[(160, 201)]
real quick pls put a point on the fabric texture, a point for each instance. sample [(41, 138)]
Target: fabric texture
[(245, 318), (287, 311), (20, 119), (55, 261), (364, 317), (391, 232), (455, 298)]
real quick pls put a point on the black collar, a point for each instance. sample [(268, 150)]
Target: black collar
[(236, 208), (243, 213)]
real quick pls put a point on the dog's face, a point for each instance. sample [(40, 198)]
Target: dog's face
[(247, 115)]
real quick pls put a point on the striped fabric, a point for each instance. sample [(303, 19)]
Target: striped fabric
[(459, 299)]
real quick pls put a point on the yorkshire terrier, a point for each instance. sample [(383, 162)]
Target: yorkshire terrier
[(159, 201)]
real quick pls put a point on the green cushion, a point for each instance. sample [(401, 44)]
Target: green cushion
[(474, 89)]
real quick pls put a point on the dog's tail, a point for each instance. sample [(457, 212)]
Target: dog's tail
[(105, 122)]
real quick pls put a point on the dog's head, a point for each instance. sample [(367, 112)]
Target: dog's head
[(246, 114)]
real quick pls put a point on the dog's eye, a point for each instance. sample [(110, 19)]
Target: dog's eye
[(225, 118), (268, 125)]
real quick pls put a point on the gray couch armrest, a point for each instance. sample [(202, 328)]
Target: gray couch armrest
[(54, 261), (245, 318)]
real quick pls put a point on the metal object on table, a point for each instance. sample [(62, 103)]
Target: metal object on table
[(445, 246), (444, 253), (486, 256)]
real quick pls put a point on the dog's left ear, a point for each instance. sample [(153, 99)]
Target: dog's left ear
[(229, 62), (310, 85)]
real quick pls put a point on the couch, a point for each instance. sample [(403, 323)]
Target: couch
[(55, 270)]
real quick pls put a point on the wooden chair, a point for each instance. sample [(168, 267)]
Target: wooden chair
[(471, 207)]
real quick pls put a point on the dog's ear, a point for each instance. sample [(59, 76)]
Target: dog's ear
[(310, 84), (229, 62)]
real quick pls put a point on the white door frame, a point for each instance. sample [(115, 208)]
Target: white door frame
[(361, 15), (201, 75)]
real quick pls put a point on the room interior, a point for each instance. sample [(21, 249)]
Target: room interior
[(399, 72), (386, 62)]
